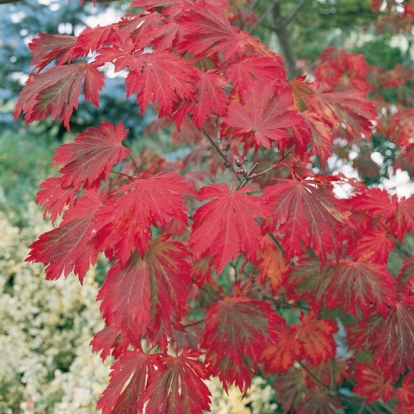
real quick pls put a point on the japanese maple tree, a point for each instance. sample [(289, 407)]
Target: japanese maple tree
[(238, 259)]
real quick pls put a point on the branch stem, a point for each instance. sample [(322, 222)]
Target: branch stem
[(221, 153)]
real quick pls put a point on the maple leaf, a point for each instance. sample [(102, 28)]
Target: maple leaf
[(90, 158), (321, 136), (371, 383), (347, 109), (56, 92), (129, 378), (305, 210), (53, 197), (351, 285), (374, 246), (271, 264), (226, 226), (160, 77), (265, 115), (210, 96), (405, 393), (280, 355), (147, 290), (317, 338), (290, 389), (108, 342), (319, 401), (256, 68), (46, 47), (207, 32), (236, 333), (125, 219), (397, 215), (392, 338), (68, 247), (179, 388)]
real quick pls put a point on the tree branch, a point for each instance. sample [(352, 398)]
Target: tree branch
[(299, 7), (221, 153), (283, 38)]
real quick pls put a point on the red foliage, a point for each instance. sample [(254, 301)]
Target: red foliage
[(235, 263)]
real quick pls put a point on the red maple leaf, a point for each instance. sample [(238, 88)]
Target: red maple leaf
[(374, 246), (53, 197), (319, 401), (256, 68), (405, 393), (179, 388), (317, 338), (160, 77), (308, 212), (147, 291), (265, 115), (208, 31), (280, 355), (46, 48), (56, 92), (397, 215), (91, 157), (392, 338), (130, 377), (372, 384), (108, 342), (68, 247), (351, 285), (210, 96), (125, 219), (226, 225), (236, 333), (271, 264), (290, 389)]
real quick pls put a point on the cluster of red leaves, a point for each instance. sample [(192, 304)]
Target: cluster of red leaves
[(284, 241)]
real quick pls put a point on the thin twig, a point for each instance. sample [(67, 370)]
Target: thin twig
[(123, 174), (334, 386), (387, 408), (134, 164), (314, 378), (221, 153), (287, 304), (250, 175), (299, 7), (276, 242), (193, 323), (267, 12)]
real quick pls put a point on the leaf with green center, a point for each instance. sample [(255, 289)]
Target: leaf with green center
[(317, 337), (91, 157), (56, 92), (147, 292), (372, 384), (179, 388), (68, 247), (130, 377), (307, 211), (236, 333)]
